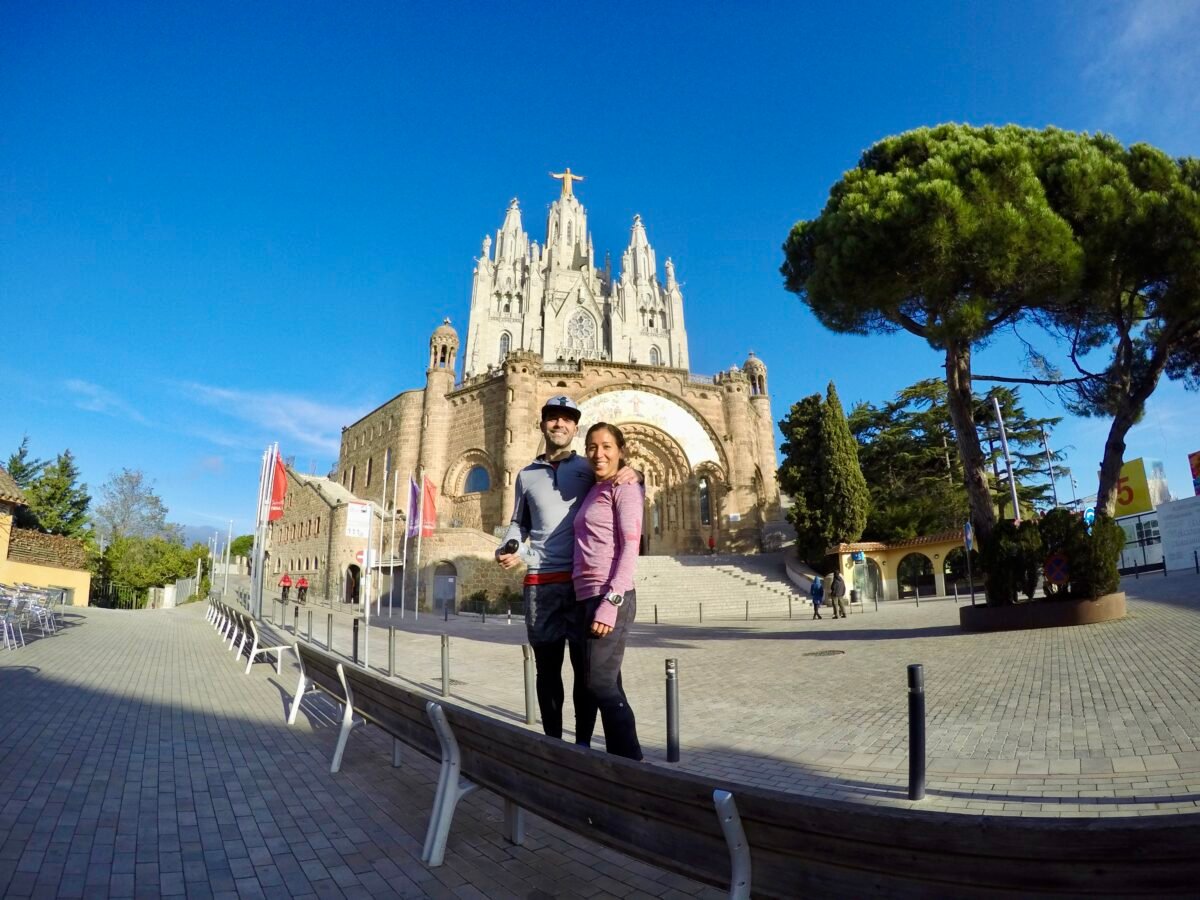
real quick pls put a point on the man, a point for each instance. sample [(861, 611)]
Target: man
[(302, 589), (285, 585), (837, 590), (548, 493)]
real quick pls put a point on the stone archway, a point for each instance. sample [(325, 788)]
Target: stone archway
[(914, 574), (352, 585)]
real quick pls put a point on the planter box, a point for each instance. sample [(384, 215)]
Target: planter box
[(1042, 614)]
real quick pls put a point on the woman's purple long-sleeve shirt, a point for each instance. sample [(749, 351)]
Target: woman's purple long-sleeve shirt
[(608, 532)]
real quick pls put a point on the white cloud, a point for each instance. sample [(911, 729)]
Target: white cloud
[(1144, 64), (290, 419), (94, 398)]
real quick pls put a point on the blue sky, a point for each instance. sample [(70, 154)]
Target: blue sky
[(223, 224)]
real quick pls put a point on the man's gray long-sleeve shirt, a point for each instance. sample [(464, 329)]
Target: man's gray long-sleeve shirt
[(547, 498)]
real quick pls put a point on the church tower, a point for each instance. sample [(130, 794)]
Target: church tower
[(553, 301)]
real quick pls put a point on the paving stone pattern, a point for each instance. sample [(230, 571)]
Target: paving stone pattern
[(139, 761)]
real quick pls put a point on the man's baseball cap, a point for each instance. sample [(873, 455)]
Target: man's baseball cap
[(561, 405)]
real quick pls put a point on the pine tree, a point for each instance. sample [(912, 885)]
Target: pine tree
[(57, 500), (847, 500), (23, 469)]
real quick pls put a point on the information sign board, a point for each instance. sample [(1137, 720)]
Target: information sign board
[(358, 519)]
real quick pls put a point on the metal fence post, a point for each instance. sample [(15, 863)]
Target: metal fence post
[(355, 640), (916, 732), (672, 710), (655, 613), (391, 650), (445, 665), (530, 701), (747, 610), (702, 613), (789, 607), (329, 634), (296, 620)]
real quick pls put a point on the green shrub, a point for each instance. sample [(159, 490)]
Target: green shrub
[(1031, 557), (1093, 558), (477, 598), (1002, 562)]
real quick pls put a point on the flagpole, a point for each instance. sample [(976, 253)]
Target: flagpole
[(379, 562), (392, 542), (366, 589), (420, 534), (260, 537), (404, 553), (228, 556), (255, 551)]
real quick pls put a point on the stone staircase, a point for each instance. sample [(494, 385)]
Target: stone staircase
[(724, 585)]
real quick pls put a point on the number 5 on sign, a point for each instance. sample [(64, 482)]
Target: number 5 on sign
[(1133, 491)]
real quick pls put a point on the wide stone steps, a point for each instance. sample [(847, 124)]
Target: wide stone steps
[(726, 587)]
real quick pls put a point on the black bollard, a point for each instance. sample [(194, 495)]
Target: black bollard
[(747, 610), (296, 620), (1195, 559), (329, 634), (672, 710), (917, 594), (655, 613), (916, 732), (310, 637), (508, 621), (701, 613), (530, 701), (789, 607), (483, 613), (956, 593), (356, 641), (446, 612), (445, 665), (391, 650)]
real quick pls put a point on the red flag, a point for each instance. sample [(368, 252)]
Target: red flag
[(278, 491), (429, 510)]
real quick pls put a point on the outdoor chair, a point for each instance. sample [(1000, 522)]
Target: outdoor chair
[(13, 635)]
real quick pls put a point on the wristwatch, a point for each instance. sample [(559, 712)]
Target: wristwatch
[(615, 598)]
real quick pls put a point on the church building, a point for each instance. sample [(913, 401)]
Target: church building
[(544, 320)]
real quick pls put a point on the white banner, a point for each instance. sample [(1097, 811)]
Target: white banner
[(1179, 525), (358, 519)]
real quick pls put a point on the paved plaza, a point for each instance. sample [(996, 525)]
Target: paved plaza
[(139, 760)]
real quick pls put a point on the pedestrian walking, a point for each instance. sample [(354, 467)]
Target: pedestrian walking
[(302, 589), (837, 591), (285, 585), (817, 593)]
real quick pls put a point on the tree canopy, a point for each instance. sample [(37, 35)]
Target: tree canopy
[(56, 500), (945, 233), (130, 508)]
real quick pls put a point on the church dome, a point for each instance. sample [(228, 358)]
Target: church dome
[(754, 366), (756, 371), (446, 331)]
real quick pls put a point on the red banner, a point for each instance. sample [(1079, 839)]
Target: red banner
[(278, 491), (422, 517)]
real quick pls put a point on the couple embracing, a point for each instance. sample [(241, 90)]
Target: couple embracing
[(577, 525)]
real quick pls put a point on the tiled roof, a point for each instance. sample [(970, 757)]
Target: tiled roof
[(46, 549), (9, 491), (940, 538)]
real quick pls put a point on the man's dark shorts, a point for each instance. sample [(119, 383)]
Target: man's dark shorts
[(548, 609)]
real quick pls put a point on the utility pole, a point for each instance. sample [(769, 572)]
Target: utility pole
[(1012, 482)]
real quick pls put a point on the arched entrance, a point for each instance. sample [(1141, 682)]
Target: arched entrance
[(914, 576), (955, 570), (445, 587), (353, 584)]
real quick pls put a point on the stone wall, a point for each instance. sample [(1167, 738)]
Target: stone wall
[(46, 549)]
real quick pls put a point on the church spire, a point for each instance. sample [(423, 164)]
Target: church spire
[(511, 240), (637, 262)]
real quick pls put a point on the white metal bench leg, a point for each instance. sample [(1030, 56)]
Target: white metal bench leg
[(301, 689), (514, 823), (739, 847), (253, 653), (396, 753), (451, 788), (347, 724)]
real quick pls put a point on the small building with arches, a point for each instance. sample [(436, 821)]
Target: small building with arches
[(930, 566), (545, 320)]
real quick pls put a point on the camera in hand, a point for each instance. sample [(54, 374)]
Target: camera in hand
[(510, 547)]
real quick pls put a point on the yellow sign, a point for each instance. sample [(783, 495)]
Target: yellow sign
[(1133, 491)]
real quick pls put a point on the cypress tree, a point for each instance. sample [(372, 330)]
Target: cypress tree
[(800, 475), (847, 500)]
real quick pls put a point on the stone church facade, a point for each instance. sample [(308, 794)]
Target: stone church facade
[(544, 320)]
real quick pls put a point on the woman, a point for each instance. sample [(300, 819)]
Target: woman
[(608, 531)]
